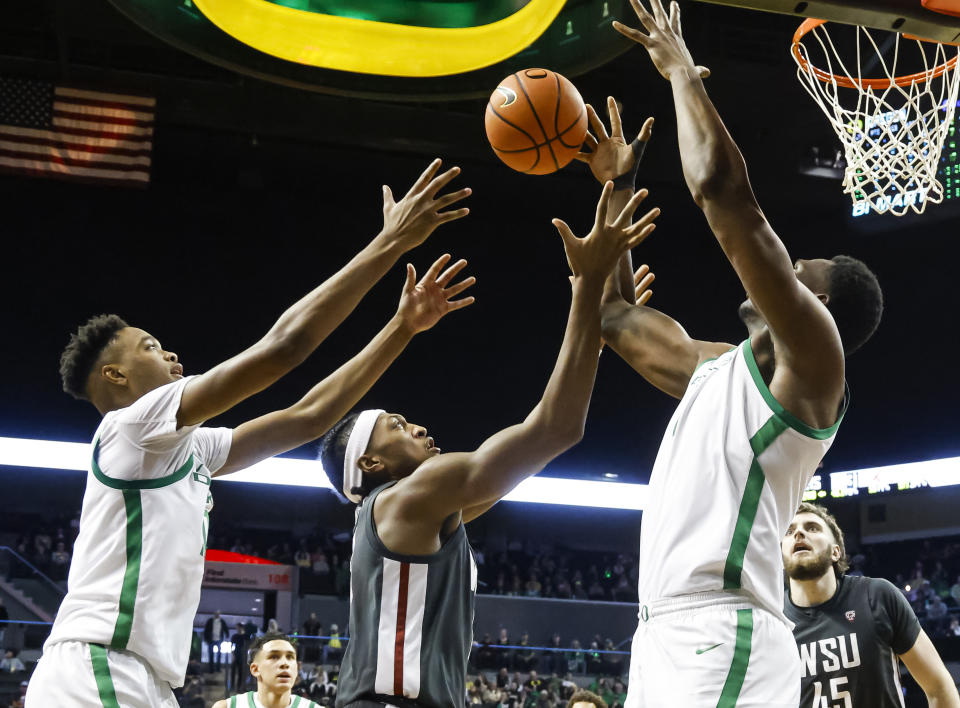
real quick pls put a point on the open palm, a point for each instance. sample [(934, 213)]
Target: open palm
[(424, 303)]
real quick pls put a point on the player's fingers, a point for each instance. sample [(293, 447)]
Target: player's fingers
[(446, 216), (438, 183), (448, 199), (616, 126), (583, 157), (626, 214), (645, 283), (461, 303), (565, 233), (458, 288), (590, 141), (646, 131), (597, 124), (646, 19), (603, 205), (659, 14), (675, 17), (631, 33), (644, 297), (639, 238), (431, 275), (640, 273), (447, 275), (425, 176), (411, 280), (703, 71)]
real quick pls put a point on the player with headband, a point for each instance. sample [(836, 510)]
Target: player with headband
[(752, 424), (122, 633), (413, 577)]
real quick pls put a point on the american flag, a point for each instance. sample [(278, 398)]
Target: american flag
[(88, 136)]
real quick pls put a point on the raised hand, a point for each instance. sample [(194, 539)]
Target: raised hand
[(642, 280), (594, 256), (411, 220), (663, 40), (610, 155), (424, 304)]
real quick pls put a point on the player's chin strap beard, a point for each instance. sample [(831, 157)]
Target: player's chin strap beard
[(356, 446)]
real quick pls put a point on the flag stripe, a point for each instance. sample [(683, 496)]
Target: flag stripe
[(80, 152), (82, 125), (100, 96), (128, 134), (43, 166), (54, 141), (118, 110), (98, 119), (67, 161), (140, 111)]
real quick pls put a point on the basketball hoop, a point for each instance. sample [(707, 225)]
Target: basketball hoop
[(893, 127)]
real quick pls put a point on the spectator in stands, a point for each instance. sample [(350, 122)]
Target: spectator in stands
[(486, 656), (214, 632), (586, 699), (936, 615), (333, 651), (953, 630), (321, 686), (11, 663), (612, 663), (555, 661), (273, 626), (564, 590), (503, 678), (491, 693), (576, 660), (191, 695), (595, 590), (955, 592), (302, 557), (532, 587), (526, 658), (60, 562), (534, 682), (505, 657), (238, 667)]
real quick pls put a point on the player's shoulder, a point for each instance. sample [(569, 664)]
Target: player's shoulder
[(222, 703)]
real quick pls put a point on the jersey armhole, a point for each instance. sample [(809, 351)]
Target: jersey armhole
[(782, 413), (157, 483)]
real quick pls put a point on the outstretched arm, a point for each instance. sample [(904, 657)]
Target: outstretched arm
[(926, 666), (422, 305), (449, 483), (307, 323), (805, 337), (652, 343)]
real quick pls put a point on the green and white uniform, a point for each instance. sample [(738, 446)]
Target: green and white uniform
[(728, 478), (250, 700), (137, 567)]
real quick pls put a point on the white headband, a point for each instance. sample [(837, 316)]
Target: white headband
[(356, 446)]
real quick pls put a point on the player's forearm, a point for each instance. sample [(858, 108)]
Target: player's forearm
[(622, 276), (562, 411), (303, 326), (944, 694), (712, 163)]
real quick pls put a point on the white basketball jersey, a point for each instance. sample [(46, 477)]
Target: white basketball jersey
[(137, 566), (727, 481)]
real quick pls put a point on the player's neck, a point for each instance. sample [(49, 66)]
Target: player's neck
[(808, 593), (273, 698)]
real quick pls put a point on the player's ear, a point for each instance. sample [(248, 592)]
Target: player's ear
[(370, 463), (255, 670), (835, 553), (114, 374)]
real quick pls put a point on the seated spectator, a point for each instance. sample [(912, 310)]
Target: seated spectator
[(526, 658), (302, 557), (191, 695), (612, 663), (954, 629), (486, 656), (11, 663), (555, 661), (60, 562), (619, 694), (936, 615), (534, 683), (576, 660), (503, 678), (532, 587), (333, 651), (505, 656)]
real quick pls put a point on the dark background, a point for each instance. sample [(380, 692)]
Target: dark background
[(260, 192)]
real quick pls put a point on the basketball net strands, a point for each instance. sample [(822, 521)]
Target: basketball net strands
[(892, 126)]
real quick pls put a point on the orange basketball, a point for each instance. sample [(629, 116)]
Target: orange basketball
[(536, 121)]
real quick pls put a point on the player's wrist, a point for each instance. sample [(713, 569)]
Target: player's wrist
[(628, 180)]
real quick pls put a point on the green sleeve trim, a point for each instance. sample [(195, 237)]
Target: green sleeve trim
[(131, 575), (296, 702), (138, 483), (233, 702), (740, 661), (250, 702), (749, 503), (781, 412), (101, 673)]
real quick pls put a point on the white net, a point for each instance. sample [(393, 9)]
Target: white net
[(892, 128)]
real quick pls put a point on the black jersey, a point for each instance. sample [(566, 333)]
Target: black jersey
[(411, 621), (849, 645)]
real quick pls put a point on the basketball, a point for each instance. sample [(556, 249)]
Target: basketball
[(535, 121)]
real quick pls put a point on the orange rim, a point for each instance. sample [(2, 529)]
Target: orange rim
[(845, 81)]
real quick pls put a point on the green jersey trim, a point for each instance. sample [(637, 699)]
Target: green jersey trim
[(101, 673), (250, 702), (233, 702), (138, 483), (131, 575), (750, 502), (780, 411), (740, 661)]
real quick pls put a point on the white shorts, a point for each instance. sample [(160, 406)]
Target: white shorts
[(712, 650), (82, 675)]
